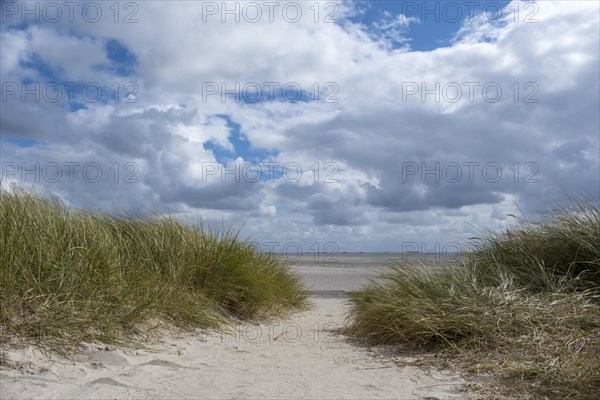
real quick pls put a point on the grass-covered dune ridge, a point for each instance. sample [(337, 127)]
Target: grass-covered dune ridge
[(561, 250), (524, 306), (71, 275)]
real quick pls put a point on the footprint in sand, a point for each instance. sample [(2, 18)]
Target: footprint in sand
[(108, 359), (165, 363), (108, 381)]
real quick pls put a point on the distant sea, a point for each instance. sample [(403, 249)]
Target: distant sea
[(334, 275), (367, 259)]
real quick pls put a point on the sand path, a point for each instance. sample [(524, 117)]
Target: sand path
[(300, 358)]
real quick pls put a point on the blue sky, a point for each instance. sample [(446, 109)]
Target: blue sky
[(354, 189), (437, 22)]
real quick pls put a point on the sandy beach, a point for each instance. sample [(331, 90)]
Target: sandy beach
[(302, 357)]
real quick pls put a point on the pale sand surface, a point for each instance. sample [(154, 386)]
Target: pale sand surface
[(299, 358)]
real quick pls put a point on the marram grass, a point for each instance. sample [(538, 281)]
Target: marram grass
[(560, 251), (524, 306), (68, 276)]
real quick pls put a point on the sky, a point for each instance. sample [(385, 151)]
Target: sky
[(308, 125)]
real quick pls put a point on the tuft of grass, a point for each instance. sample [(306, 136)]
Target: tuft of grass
[(559, 251), (523, 307), (69, 276)]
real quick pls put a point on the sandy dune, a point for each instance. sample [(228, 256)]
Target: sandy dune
[(301, 358)]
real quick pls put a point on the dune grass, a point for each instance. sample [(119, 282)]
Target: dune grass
[(524, 307), (69, 276)]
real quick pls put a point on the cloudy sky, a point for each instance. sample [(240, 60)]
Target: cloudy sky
[(368, 125)]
